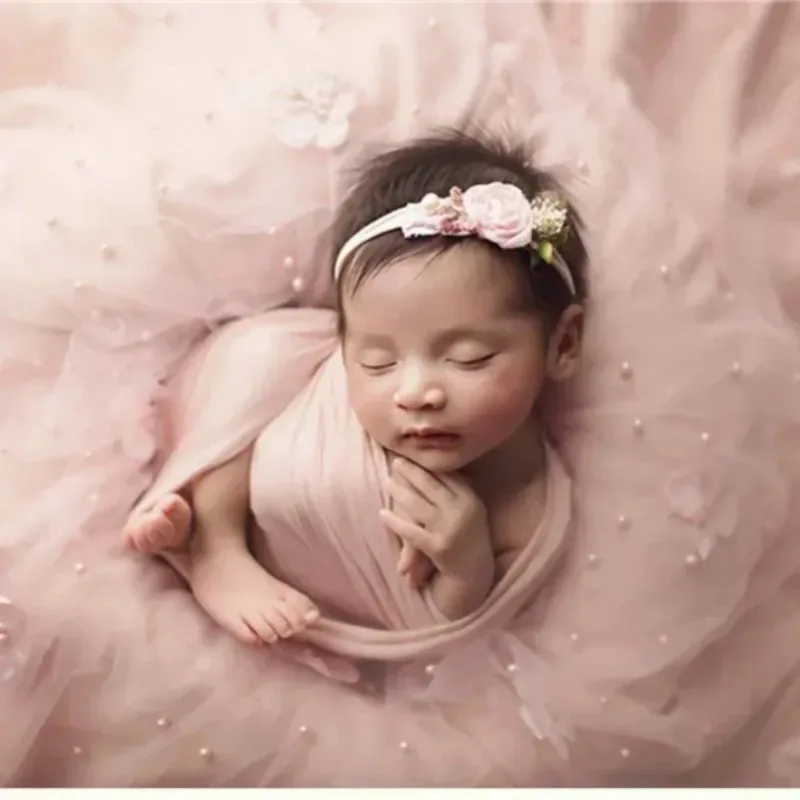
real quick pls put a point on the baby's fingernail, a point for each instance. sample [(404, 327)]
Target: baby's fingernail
[(312, 616)]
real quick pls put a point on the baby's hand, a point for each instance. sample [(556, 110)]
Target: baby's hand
[(450, 523), (415, 565)]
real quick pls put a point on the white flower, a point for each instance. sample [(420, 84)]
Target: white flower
[(316, 111), (549, 215)]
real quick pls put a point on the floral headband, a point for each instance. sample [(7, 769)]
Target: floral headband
[(497, 212)]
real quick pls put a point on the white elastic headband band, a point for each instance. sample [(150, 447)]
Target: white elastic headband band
[(497, 212)]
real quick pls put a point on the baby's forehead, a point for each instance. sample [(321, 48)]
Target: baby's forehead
[(461, 274)]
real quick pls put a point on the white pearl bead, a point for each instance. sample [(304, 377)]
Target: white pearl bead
[(205, 753), (512, 667), (663, 639), (690, 560), (272, 230), (593, 559), (162, 722), (4, 635), (664, 270), (303, 729), (583, 167), (736, 369), (146, 336), (624, 522), (705, 437), (574, 637), (626, 370), (603, 701), (77, 751), (625, 753), (638, 427), (288, 262), (404, 746), (430, 669), (80, 568), (297, 284), (108, 252)]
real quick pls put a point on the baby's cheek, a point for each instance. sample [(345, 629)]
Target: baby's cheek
[(371, 407), (506, 401)]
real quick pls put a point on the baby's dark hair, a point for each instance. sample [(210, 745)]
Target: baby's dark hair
[(435, 164)]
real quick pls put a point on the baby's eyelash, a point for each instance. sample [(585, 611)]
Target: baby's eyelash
[(377, 367), (475, 362)]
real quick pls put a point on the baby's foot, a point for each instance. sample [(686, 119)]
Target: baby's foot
[(245, 599), (165, 527)]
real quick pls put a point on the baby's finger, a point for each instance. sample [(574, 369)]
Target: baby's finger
[(409, 532), (421, 570), (407, 558), (407, 499)]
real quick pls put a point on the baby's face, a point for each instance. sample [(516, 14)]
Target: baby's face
[(442, 365)]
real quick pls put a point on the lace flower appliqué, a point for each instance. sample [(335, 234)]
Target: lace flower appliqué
[(697, 501), (315, 112)]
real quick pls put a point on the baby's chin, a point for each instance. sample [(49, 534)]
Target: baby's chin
[(433, 460)]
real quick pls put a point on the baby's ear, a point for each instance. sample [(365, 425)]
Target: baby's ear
[(564, 347)]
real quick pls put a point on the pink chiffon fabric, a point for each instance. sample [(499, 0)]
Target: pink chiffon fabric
[(168, 174)]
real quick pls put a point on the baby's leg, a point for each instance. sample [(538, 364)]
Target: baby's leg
[(165, 527), (244, 598)]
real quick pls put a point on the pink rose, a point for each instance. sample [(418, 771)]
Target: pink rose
[(502, 214)]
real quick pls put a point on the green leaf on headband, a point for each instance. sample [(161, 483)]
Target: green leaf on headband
[(546, 251)]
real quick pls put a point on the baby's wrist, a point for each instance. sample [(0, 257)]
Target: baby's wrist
[(476, 570), (475, 561)]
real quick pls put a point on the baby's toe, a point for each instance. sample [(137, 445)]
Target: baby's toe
[(259, 626), (277, 620), (243, 632), (138, 533), (307, 609)]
